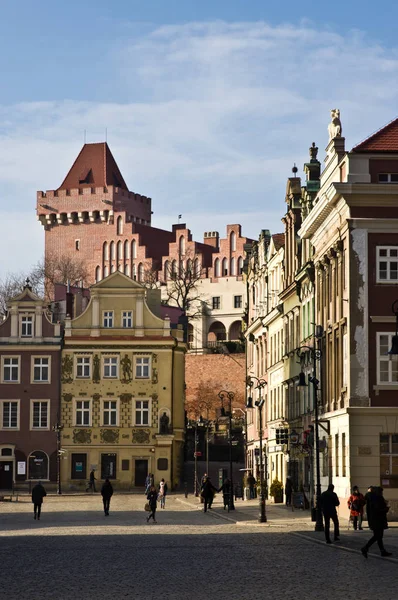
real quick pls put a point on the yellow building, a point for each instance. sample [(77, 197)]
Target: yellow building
[(122, 389)]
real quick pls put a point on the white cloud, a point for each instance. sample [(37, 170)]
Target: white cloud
[(218, 113)]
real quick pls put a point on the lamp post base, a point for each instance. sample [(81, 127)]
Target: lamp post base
[(262, 516), (319, 520)]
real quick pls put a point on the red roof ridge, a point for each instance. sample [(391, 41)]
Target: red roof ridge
[(377, 141)]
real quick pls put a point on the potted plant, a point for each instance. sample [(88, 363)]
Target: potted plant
[(276, 491)]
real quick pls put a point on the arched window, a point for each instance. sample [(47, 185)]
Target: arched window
[(38, 465), (224, 267), (119, 226), (126, 249), (174, 269), (133, 249), (189, 271), (217, 267), (141, 272), (181, 245), (112, 249), (181, 268), (120, 250), (105, 251), (127, 270), (166, 270), (240, 265), (232, 240), (232, 268), (134, 272), (113, 268), (106, 271), (197, 267), (98, 274)]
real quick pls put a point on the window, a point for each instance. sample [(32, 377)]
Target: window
[(26, 326), (83, 367), (387, 264), (110, 366), (233, 241), (82, 412), (98, 274), (216, 302), (108, 318), (336, 454), (142, 412), (389, 459), (127, 319), (110, 412), (387, 370), (142, 367), (10, 369), (41, 369), (343, 456), (40, 414), (237, 301), (77, 244), (388, 177), (10, 416), (119, 225)]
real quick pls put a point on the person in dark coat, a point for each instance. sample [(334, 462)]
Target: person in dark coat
[(329, 503), (288, 491), (225, 489), (38, 493), (152, 498), (91, 482), (251, 483), (106, 493), (207, 492), (376, 509)]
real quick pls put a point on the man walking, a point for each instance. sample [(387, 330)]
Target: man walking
[(92, 480), (38, 494), (106, 493), (376, 509), (207, 492), (329, 502), (288, 490)]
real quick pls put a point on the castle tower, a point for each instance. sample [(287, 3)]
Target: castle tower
[(92, 215)]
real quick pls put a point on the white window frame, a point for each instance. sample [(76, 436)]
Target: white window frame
[(6, 357), (109, 362), (387, 259), (85, 358), (25, 320), (32, 425), (142, 410), (108, 319), (32, 368), (127, 316), (139, 366), (384, 358), (83, 409), (2, 403), (110, 410)]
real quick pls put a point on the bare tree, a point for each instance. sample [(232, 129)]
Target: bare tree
[(182, 277), (10, 286)]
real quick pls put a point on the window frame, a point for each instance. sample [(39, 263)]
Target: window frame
[(387, 259), (147, 410), (136, 365), (22, 318), (75, 410), (32, 368), (106, 358), (393, 478), (110, 410), (123, 317), (384, 358), (106, 315), (388, 177), (240, 302), (2, 403), (32, 426), (213, 303), (11, 356), (84, 357)]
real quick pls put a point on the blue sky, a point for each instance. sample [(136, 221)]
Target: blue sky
[(207, 104)]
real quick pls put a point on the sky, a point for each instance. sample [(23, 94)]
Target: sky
[(207, 104)]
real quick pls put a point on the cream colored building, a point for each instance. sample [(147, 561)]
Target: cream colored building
[(122, 389)]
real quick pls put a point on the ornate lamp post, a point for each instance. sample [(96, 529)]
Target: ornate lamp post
[(193, 425), (57, 429), (259, 384), (229, 396), (316, 355)]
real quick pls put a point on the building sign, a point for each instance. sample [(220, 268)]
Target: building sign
[(21, 468), (79, 467), (364, 450)]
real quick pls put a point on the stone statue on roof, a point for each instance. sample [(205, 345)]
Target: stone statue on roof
[(335, 129)]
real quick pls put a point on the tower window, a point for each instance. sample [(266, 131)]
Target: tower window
[(77, 244)]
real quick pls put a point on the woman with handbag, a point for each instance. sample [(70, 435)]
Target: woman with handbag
[(152, 498), (355, 503)]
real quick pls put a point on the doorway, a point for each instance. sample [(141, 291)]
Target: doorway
[(6, 475), (108, 466), (141, 471)]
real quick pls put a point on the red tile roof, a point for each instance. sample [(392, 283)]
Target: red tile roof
[(279, 240), (384, 140), (94, 167)]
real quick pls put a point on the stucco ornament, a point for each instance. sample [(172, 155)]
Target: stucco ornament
[(109, 436), (141, 436), (126, 369), (335, 129), (67, 369), (96, 369), (82, 436)]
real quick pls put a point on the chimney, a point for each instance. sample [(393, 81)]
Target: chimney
[(211, 238)]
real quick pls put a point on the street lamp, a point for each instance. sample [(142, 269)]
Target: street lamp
[(230, 396), (57, 429), (259, 385), (394, 346), (315, 354), (205, 423), (193, 425)]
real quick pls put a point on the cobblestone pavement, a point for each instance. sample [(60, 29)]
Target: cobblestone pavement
[(76, 552)]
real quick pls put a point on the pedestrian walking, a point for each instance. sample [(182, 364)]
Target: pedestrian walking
[(251, 483), (38, 493), (225, 489), (355, 503), (288, 491), (106, 493), (329, 503), (162, 493), (91, 481), (147, 484), (376, 510), (152, 498), (207, 493)]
